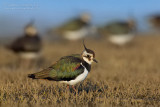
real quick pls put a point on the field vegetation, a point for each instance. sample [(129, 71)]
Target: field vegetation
[(124, 76)]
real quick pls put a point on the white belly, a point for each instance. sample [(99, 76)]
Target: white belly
[(75, 35), (121, 39), (29, 55), (78, 79)]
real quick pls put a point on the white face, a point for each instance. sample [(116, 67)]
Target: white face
[(31, 31), (85, 17), (88, 57)]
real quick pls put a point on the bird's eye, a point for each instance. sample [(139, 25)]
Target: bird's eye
[(88, 56)]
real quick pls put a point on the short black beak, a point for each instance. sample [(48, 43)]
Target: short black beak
[(95, 60)]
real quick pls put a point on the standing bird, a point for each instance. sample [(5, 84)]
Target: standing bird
[(120, 32), (69, 69), (76, 28), (28, 46)]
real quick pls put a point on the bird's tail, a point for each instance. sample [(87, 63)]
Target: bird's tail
[(40, 75), (31, 76)]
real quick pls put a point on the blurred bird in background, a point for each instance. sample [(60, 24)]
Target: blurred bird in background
[(154, 21), (28, 46), (120, 32), (76, 28)]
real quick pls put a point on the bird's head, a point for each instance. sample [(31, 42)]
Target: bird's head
[(85, 17), (30, 30), (88, 55)]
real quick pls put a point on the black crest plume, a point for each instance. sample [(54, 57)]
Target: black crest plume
[(88, 50), (84, 45), (30, 23)]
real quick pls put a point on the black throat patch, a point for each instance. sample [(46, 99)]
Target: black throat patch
[(87, 66)]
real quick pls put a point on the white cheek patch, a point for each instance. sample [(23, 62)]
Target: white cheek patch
[(31, 31), (86, 59)]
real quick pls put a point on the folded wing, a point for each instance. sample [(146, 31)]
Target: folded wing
[(67, 68)]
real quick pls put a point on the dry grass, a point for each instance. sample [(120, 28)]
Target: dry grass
[(126, 76)]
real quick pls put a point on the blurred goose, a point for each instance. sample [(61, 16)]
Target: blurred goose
[(120, 32), (27, 46), (76, 28)]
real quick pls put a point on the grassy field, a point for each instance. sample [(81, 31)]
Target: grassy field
[(124, 76)]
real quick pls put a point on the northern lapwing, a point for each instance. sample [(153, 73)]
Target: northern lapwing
[(76, 28), (120, 32), (70, 69), (28, 46)]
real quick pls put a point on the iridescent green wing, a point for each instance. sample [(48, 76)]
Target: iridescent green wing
[(73, 25), (117, 28), (67, 68)]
